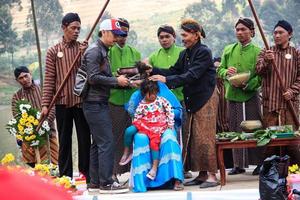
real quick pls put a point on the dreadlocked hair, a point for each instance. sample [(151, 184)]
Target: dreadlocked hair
[(142, 68)]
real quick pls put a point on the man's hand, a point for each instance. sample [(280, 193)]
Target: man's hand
[(44, 112), (83, 46), (231, 71), (269, 56), (158, 78), (288, 95), (123, 81)]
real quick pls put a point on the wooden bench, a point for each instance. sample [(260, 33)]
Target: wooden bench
[(247, 144)]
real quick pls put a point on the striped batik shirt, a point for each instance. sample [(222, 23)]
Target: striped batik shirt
[(33, 95), (288, 64), (59, 59)]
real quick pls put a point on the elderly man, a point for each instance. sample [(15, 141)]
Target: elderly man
[(68, 106), (121, 55), (195, 71), (287, 60), (31, 92), (243, 99)]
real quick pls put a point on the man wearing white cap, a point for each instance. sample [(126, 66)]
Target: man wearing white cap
[(96, 110)]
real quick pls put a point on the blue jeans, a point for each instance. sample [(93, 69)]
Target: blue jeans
[(101, 153)]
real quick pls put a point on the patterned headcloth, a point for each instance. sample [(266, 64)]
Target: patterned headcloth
[(192, 26), (284, 24), (69, 18), (19, 70), (246, 22), (167, 29)]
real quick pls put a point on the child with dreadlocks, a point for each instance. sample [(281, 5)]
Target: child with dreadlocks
[(152, 117)]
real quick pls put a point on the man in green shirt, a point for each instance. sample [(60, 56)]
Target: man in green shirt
[(121, 55), (243, 99), (165, 57)]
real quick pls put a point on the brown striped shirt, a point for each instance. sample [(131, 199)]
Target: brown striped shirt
[(288, 64), (59, 59), (33, 95)]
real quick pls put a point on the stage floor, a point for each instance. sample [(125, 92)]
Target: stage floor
[(238, 187)]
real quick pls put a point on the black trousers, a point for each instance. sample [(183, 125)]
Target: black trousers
[(102, 149), (64, 119)]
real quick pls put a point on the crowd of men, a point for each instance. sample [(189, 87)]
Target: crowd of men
[(211, 104)]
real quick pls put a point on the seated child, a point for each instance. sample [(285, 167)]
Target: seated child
[(152, 117)]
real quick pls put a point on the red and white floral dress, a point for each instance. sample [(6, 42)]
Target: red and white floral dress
[(153, 119)]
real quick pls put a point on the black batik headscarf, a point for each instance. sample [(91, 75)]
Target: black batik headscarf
[(167, 29), (69, 18), (286, 25), (19, 70), (248, 23)]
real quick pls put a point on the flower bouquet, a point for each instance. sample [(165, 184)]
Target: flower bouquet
[(24, 126)]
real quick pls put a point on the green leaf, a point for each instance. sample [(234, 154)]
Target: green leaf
[(263, 142)]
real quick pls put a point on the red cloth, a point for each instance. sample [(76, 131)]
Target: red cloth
[(153, 130), (16, 185)]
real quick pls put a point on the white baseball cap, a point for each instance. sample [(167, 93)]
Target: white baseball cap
[(112, 25)]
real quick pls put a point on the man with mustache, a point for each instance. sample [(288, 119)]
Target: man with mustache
[(195, 71), (59, 59), (31, 91)]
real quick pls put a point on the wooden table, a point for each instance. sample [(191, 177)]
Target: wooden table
[(247, 144)]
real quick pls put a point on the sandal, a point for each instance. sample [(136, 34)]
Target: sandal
[(125, 159), (208, 184), (151, 174)]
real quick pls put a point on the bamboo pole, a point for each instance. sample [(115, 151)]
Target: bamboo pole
[(37, 42), (37, 155), (289, 102), (72, 66)]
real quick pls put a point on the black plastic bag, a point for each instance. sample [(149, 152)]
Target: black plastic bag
[(272, 178)]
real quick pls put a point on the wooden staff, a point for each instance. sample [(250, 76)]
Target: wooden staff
[(72, 67), (289, 102)]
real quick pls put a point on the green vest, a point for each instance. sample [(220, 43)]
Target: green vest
[(243, 59), (165, 58), (122, 57)]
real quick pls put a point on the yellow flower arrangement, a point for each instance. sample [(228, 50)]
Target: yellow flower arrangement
[(64, 181), (46, 169), (294, 169), (25, 123), (8, 158), (24, 115), (42, 169)]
